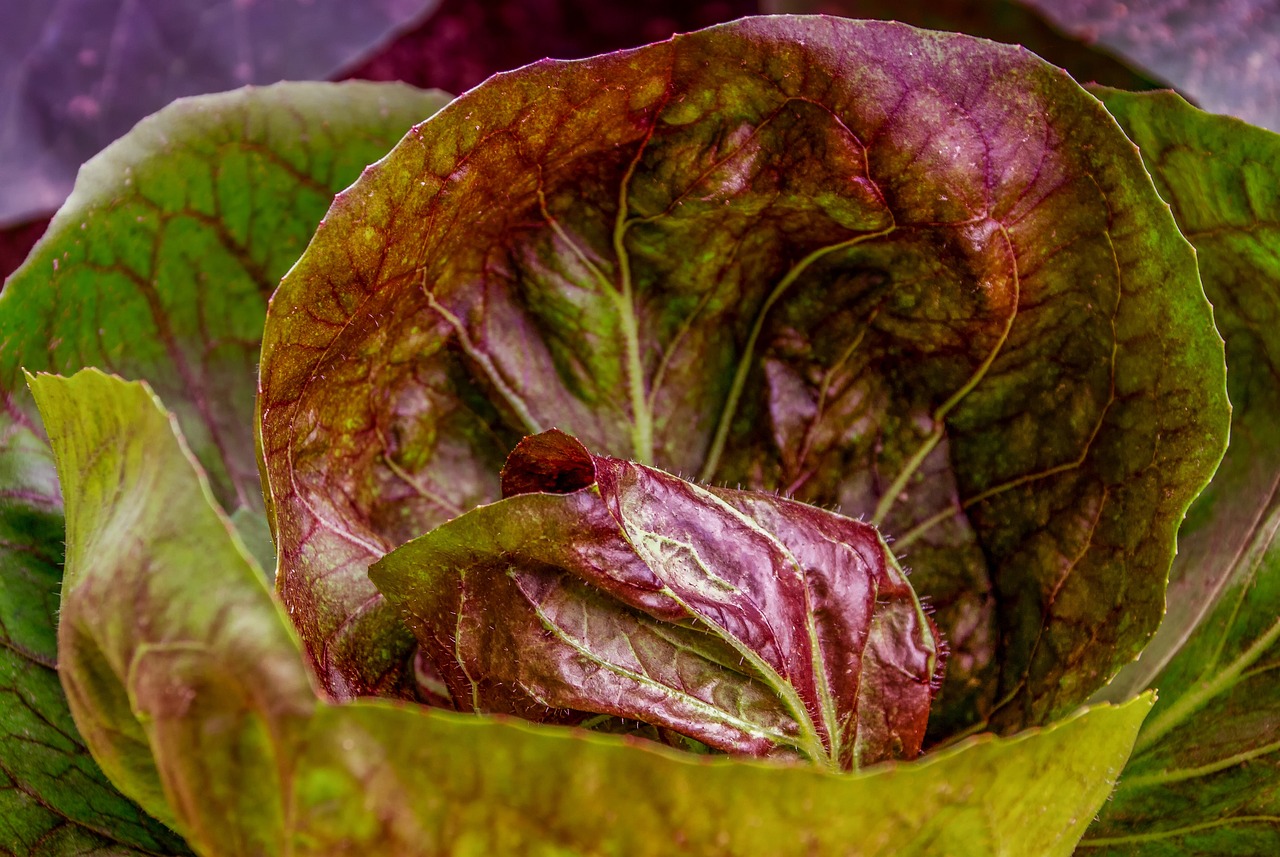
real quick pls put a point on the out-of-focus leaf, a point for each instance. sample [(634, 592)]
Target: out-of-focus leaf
[(204, 712), (1206, 778), (920, 276), (16, 242), (999, 20), (756, 625), (1225, 54), (464, 42), (159, 266), (77, 74)]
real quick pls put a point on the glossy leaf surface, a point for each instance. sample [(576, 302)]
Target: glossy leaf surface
[(1206, 779), (205, 713), (754, 624), (917, 276), (159, 266)]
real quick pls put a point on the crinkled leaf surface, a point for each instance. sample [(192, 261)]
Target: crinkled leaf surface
[(77, 74), (1223, 53), (919, 276), (189, 683), (1206, 779), (999, 20), (754, 624), (159, 266)]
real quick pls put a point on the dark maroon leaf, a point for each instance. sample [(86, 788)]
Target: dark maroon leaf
[(464, 42), (600, 586)]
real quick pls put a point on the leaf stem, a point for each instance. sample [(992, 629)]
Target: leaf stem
[(1203, 692), (641, 414), (1177, 775), (1157, 835)]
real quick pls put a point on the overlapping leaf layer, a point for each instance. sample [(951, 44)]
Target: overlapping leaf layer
[(919, 276), (159, 267), (205, 713)]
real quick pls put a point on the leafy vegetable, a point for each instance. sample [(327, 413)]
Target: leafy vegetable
[(205, 714), (1206, 777), (751, 623), (919, 280), (159, 266)]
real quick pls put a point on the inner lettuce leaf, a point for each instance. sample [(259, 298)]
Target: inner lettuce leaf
[(159, 266), (919, 277), (599, 586), (189, 684)]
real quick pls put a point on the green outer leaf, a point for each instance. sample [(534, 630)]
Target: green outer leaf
[(190, 685), (161, 262), (918, 275), (158, 266), (1206, 779), (53, 798)]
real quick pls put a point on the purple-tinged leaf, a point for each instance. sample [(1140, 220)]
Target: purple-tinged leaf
[(999, 20), (601, 586), (77, 74), (920, 277)]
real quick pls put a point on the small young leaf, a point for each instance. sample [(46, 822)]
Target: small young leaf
[(189, 684), (754, 624)]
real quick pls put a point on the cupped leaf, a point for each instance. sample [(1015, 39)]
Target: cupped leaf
[(919, 276), (189, 683), (159, 266), (1206, 779), (754, 624)]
